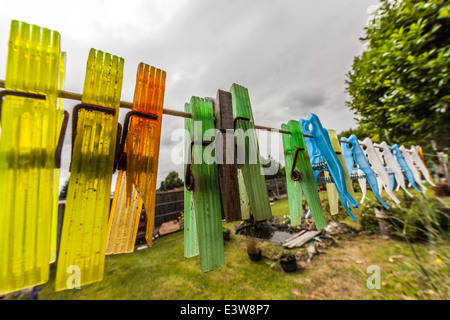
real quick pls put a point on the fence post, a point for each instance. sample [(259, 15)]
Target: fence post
[(276, 188)]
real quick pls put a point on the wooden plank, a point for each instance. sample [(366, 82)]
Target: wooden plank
[(227, 168), (169, 202), (300, 241), (295, 236)]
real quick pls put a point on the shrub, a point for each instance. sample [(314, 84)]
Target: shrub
[(417, 218)]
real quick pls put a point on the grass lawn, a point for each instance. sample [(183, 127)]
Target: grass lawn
[(162, 273)]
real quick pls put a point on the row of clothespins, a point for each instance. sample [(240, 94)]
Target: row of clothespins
[(33, 122), (227, 191)]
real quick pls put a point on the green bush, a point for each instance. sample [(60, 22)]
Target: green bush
[(367, 219), (399, 87), (417, 218)]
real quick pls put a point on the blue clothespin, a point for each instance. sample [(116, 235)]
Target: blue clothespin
[(391, 176), (402, 163), (319, 148), (353, 153)]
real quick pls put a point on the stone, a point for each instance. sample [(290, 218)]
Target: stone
[(335, 228), (301, 265), (311, 250)]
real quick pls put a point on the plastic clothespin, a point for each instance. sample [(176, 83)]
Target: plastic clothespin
[(29, 134), (62, 123), (385, 152), (348, 181), (419, 163), (362, 183), (378, 168), (391, 177), (202, 180), (136, 182), (319, 147), (190, 224), (253, 180), (300, 176), (404, 165), (351, 167), (332, 195), (95, 131), (411, 166), (355, 155)]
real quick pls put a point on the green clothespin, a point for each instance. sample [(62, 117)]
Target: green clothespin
[(255, 184), (190, 227), (300, 177), (202, 180)]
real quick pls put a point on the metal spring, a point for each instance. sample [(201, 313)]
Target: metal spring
[(331, 180), (325, 180), (356, 177), (319, 166)]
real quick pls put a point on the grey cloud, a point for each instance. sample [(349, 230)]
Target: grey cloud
[(291, 55)]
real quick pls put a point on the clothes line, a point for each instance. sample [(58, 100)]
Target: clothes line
[(65, 94)]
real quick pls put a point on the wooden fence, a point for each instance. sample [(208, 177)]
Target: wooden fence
[(169, 205)]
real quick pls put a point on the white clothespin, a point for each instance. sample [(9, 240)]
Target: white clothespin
[(393, 164), (410, 163), (362, 183), (422, 167), (378, 167)]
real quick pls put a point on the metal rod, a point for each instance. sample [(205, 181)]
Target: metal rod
[(128, 105)]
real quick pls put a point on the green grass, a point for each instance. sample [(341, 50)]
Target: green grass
[(162, 273)]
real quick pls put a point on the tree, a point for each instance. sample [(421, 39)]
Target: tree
[(400, 85), (171, 182)]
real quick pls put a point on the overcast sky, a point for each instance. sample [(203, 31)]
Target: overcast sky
[(293, 56)]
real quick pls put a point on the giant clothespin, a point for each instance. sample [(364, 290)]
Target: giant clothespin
[(377, 166), (136, 184), (332, 194), (226, 157), (95, 126), (254, 182), (124, 217), (420, 164), (190, 225), (348, 182), (28, 155), (143, 138), (353, 151), (352, 167), (63, 118), (320, 148), (300, 176), (411, 166), (385, 152), (201, 178), (403, 165), (362, 183)]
